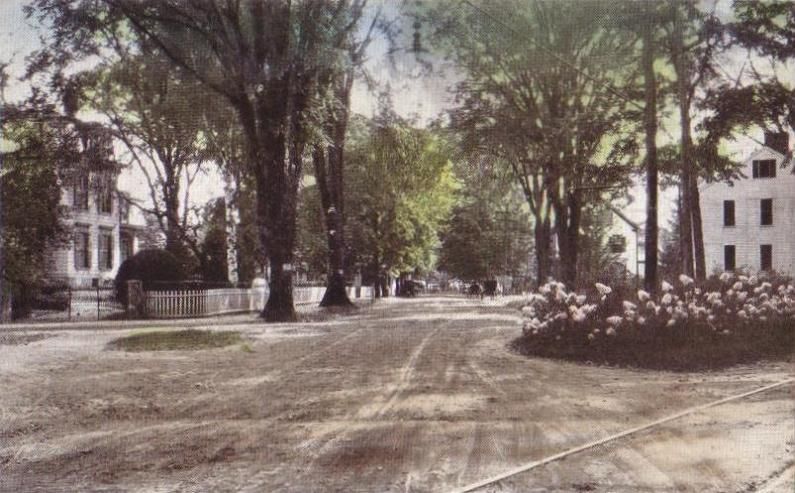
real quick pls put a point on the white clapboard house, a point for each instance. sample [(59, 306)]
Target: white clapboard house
[(97, 215), (750, 223)]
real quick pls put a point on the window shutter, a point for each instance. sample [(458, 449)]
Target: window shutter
[(728, 213), (766, 210), (76, 249), (766, 257), (729, 257), (756, 169)]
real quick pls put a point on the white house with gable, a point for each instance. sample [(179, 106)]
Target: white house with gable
[(750, 223), (98, 216)]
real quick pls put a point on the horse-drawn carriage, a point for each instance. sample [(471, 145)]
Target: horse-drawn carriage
[(489, 288)]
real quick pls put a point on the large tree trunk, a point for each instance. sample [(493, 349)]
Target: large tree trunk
[(376, 269), (543, 248), (686, 224), (173, 234), (691, 232), (650, 125), (686, 175), (567, 225), (278, 237), (6, 302), (381, 276), (698, 233), (329, 168), (276, 207), (231, 219), (280, 307), (573, 234)]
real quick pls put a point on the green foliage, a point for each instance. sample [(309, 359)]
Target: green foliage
[(489, 232), (766, 29), (31, 198), (213, 264), (539, 92), (250, 253), (311, 245), (671, 248), (149, 266), (31, 221), (596, 262), (157, 113), (401, 188)]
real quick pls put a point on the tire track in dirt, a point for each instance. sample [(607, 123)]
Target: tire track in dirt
[(782, 482), (486, 378), (279, 372), (365, 320), (314, 448), (406, 374)]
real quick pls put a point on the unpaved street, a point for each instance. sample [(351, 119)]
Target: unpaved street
[(407, 395)]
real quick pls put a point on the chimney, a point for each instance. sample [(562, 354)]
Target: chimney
[(778, 141)]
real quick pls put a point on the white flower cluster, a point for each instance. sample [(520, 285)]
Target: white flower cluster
[(732, 302)]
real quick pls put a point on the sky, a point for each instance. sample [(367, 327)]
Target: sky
[(422, 98)]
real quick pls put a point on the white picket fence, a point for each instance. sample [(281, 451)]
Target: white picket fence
[(208, 302)]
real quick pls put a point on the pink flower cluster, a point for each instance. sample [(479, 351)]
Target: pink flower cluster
[(728, 303)]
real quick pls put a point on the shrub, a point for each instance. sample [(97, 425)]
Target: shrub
[(149, 266), (52, 296), (731, 318)]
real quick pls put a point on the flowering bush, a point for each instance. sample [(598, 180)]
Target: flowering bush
[(730, 319)]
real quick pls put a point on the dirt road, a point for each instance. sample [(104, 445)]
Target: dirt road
[(409, 395)]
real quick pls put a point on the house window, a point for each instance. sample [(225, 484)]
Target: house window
[(729, 257), (82, 249), (105, 249), (764, 168), (126, 244), (728, 213), (80, 193), (124, 209), (105, 199), (766, 257), (766, 212)]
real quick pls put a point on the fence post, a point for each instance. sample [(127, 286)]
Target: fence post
[(69, 290), (97, 301), (136, 299)]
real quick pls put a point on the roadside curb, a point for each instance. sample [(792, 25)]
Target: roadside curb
[(218, 320)]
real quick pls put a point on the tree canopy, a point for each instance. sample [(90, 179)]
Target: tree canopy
[(401, 187), (489, 231), (538, 92)]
